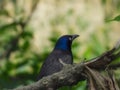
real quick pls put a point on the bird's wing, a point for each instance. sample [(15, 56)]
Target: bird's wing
[(52, 64)]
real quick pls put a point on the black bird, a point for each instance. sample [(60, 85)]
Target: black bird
[(61, 53)]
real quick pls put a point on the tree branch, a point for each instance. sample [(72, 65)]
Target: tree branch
[(72, 74)]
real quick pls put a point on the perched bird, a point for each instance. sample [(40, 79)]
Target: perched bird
[(61, 53)]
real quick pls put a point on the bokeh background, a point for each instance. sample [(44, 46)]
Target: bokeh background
[(30, 28)]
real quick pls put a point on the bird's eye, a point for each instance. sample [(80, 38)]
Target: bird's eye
[(70, 38)]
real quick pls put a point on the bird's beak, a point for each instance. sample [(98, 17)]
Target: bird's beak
[(74, 36)]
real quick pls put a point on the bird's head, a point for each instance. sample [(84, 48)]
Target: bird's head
[(65, 42)]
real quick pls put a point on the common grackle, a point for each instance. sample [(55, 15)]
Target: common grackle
[(62, 51)]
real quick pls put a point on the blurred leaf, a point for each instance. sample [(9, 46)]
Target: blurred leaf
[(27, 34), (104, 1), (25, 45), (80, 86), (117, 18), (22, 69), (7, 26), (4, 12)]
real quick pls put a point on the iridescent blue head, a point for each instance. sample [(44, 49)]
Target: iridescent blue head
[(65, 42)]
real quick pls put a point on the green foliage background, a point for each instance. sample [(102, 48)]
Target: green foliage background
[(20, 64)]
